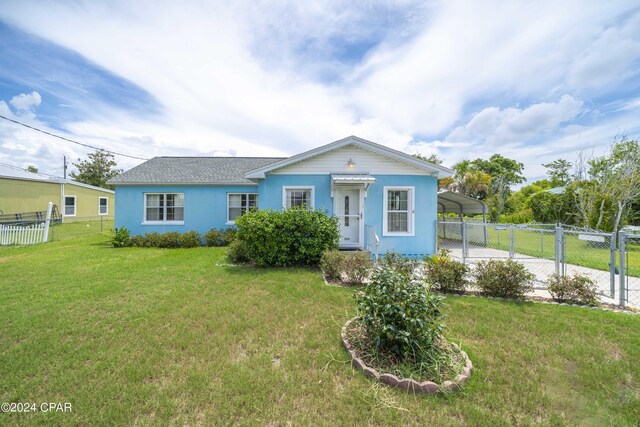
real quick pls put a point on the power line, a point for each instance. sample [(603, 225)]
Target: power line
[(26, 170), (70, 140)]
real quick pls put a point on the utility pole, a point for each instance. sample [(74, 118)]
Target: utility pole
[(64, 159)]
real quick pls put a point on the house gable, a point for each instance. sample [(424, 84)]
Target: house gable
[(363, 161), (334, 157)]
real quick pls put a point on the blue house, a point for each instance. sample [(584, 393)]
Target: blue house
[(384, 199)]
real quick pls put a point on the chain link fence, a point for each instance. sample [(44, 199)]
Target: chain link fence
[(547, 249)]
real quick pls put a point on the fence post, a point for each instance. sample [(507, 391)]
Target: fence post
[(46, 223), (464, 241), (622, 290), (512, 248), (612, 264), (556, 235)]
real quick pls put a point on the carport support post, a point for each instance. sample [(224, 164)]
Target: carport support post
[(622, 266)]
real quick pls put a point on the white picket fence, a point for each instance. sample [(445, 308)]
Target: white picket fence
[(26, 234)]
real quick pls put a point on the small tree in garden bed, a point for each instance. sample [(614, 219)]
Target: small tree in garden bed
[(446, 274), (400, 329), (577, 289), (296, 236), (507, 279), (399, 315)]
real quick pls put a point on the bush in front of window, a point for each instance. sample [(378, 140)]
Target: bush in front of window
[(237, 252), (190, 239), (220, 236), (507, 279), (170, 240), (296, 236)]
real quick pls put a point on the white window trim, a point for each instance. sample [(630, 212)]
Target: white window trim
[(75, 205), (230, 222), (107, 199), (299, 187), (410, 218), (144, 211)]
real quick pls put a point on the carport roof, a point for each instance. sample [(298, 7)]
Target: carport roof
[(450, 201)]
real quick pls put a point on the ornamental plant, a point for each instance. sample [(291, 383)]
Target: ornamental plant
[(445, 274), (296, 236), (576, 289), (400, 315), (503, 278)]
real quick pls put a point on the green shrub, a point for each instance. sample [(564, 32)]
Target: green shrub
[(190, 239), (295, 236), (508, 278), (446, 274), (524, 216), (332, 263), (356, 266), (138, 241), (152, 240), (170, 240), (213, 237), (122, 238), (576, 289), (403, 265), (400, 315), (220, 236), (237, 252)]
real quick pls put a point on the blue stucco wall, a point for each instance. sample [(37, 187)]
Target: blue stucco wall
[(426, 187), (205, 207)]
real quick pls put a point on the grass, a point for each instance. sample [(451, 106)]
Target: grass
[(155, 337), (541, 244)]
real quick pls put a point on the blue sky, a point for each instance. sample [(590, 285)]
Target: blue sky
[(457, 78)]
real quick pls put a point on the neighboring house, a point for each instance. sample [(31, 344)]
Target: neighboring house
[(25, 192), (372, 189)]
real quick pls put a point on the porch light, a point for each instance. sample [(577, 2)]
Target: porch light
[(350, 164)]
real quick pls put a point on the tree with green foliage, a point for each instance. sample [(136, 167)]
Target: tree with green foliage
[(32, 169), (99, 168), (558, 172), (433, 158)]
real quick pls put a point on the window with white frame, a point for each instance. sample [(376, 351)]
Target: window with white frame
[(103, 205), (398, 212), (298, 196), (164, 207), (69, 205), (239, 203)]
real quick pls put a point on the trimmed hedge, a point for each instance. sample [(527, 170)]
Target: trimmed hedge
[(295, 236), (171, 240)]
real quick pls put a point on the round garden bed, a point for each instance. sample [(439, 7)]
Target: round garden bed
[(352, 338)]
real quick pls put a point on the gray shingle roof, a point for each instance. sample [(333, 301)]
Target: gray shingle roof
[(193, 170)]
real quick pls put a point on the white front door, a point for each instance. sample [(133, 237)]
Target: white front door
[(348, 210)]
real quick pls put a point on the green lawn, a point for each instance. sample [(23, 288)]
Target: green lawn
[(541, 244), (157, 337)]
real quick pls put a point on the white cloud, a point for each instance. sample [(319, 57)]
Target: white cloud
[(230, 77), (494, 127), (26, 101)]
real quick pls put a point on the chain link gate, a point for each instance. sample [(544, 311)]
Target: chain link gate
[(544, 249), (629, 253)]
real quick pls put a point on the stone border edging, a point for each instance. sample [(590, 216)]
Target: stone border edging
[(427, 387)]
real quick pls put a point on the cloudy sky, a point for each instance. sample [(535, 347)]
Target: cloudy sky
[(534, 81)]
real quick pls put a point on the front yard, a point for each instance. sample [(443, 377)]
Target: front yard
[(154, 337)]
